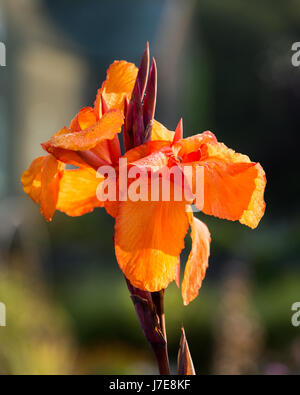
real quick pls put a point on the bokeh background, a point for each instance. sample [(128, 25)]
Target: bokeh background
[(223, 66)]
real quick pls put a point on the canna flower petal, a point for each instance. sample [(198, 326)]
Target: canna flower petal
[(189, 145), (148, 156), (78, 192), (119, 84), (105, 129), (233, 185), (153, 162), (141, 152), (149, 237), (102, 153), (31, 179), (197, 263), (257, 205), (65, 156), (41, 183), (51, 176), (83, 120), (160, 132)]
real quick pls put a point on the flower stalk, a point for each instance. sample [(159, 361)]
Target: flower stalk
[(149, 309), (139, 114)]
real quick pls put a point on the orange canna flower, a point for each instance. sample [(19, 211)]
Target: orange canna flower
[(149, 234)]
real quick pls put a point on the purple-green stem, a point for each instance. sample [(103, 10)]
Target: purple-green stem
[(149, 307), (161, 355)]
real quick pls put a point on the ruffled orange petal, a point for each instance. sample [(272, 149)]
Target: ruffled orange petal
[(153, 162), (149, 237), (102, 150), (119, 84), (186, 146), (78, 192), (51, 176), (31, 179), (257, 205), (197, 263), (66, 156), (105, 129), (114, 149), (144, 150), (63, 155), (41, 183), (84, 119), (233, 185), (160, 132), (137, 164), (150, 156)]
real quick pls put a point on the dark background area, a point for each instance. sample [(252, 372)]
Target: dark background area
[(222, 66)]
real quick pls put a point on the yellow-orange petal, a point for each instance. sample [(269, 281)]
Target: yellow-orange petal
[(233, 185), (105, 129), (78, 192), (160, 132), (256, 207), (191, 144), (197, 263), (119, 83), (144, 150), (31, 179), (83, 120), (41, 183), (64, 155), (74, 125), (51, 175), (149, 237), (75, 158), (86, 118), (153, 162), (61, 154)]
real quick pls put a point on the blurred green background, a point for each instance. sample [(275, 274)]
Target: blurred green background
[(223, 66)]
